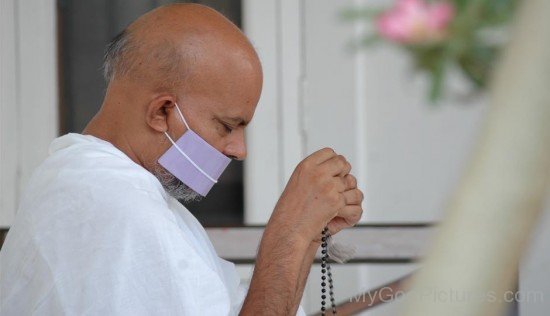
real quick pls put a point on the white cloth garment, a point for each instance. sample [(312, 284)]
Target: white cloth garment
[(96, 234)]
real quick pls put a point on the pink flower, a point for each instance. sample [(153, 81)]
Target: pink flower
[(415, 22)]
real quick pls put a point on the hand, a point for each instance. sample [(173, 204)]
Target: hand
[(351, 213), (320, 192)]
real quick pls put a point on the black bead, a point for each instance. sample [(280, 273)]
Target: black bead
[(325, 267)]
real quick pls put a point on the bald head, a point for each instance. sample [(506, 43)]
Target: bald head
[(163, 46), (184, 55)]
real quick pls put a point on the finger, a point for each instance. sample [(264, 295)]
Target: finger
[(346, 170), (353, 197), (351, 214), (339, 184), (337, 166), (350, 182), (322, 155), (337, 224)]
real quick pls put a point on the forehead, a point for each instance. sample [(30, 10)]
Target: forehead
[(227, 82)]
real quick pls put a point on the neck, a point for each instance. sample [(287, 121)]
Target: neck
[(107, 127)]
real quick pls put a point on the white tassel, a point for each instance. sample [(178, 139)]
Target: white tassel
[(340, 252)]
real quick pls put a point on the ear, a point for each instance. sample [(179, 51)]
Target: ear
[(156, 115)]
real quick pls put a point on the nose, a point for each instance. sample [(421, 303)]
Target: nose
[(236, 147)]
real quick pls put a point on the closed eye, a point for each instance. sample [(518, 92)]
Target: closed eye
[(228, 128)]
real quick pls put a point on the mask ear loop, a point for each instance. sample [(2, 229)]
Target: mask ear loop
[(182, 118), (183, 153)]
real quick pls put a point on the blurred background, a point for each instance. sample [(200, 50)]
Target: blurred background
[(404, 108)]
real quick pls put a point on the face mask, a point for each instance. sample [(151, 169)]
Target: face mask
[(193, 161)]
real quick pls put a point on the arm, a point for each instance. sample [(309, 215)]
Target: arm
[(278, 280), (280, 275), (306, 268), (317, 194)]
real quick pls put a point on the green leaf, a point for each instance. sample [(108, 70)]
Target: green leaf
[(437, 81), (478, 64)]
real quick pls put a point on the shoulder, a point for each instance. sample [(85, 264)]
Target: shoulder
[(92, 192), (86, 175), (90, 163)]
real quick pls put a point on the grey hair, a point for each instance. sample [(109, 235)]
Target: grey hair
[(114, 59), (124, 52), (174, 187)]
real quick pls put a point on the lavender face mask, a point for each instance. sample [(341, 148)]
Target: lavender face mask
[(193, 161)]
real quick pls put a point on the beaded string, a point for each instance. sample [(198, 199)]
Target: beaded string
[(326, 274)]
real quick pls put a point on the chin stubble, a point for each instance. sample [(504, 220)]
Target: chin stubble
[(174, 187)]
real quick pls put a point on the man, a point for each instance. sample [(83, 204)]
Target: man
[(100, 231)]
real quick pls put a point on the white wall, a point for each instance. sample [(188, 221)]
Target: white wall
[(28, 94)]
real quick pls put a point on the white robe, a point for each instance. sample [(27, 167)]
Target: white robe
[(96, 234)]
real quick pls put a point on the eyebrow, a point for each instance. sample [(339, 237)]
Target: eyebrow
[(236, 120)]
